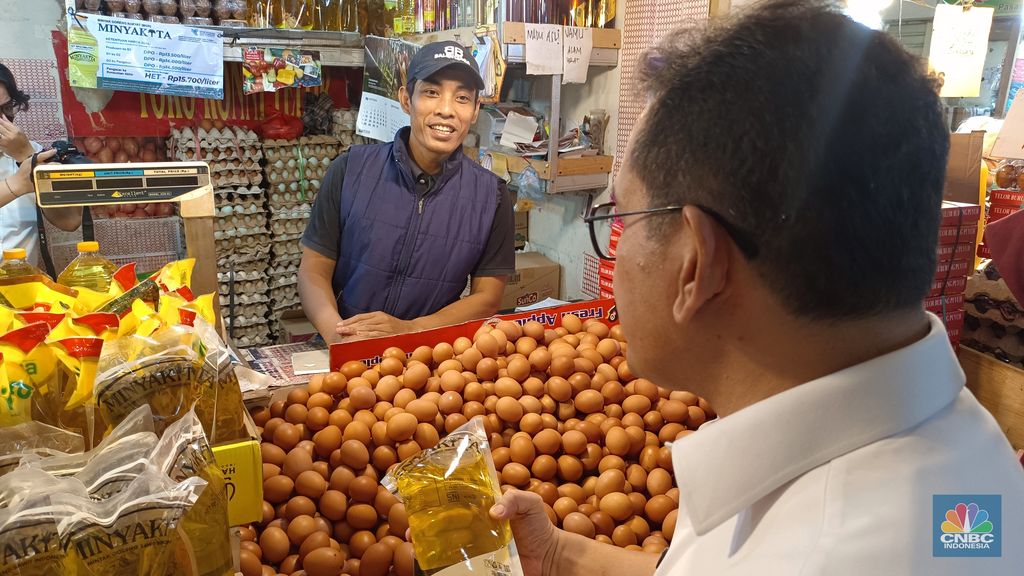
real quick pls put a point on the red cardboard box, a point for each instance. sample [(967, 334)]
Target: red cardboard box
[(959, 214), (954, 337), (369, 351), (983, 251), (962, 251), (951, 302), (953, 268), (605, 283), (952, 286), (607, 294), (999, 211), (958, 234), (1007, 198), (953, 320)]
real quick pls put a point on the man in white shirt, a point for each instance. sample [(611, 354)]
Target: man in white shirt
[(18, 216), (776, 252)]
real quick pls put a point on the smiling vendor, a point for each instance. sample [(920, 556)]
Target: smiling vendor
[(398, 228)]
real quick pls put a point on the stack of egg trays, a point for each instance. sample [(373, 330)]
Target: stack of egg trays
[(241, 229), (294, 170)]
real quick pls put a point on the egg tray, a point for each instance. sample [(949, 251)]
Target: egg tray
[(250, 321), (228, 244), (287, 249), (299, 212), (242, 275), (288, 267), (237, 178), (344, 121), (243, 208), (247, 342), (253, 153), (285, 294), (253, 333), (226, 135), (244, 299), (250, 314), (288, 200), (235, 233), (233, 164), (246, 190), (290, 304), (288, 175), (241, 220)]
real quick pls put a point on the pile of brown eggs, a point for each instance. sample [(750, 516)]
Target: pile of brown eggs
[(566, 418)]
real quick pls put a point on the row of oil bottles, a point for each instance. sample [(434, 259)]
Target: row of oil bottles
[(89, 269), (399, 17)]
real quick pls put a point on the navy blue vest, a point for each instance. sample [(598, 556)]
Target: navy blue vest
[(402, 254)]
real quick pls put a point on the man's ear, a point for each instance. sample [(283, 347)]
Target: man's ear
[(405, 99), (705, 263), (476, 113)]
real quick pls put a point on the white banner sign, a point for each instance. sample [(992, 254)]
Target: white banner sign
[(142, 56), (543, 49), (958, 49)]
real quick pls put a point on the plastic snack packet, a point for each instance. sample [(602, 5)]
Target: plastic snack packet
[(132, 533), (447, 491), (219, 403), (159, 370)]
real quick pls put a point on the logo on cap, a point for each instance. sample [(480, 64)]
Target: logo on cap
[(452, 53)]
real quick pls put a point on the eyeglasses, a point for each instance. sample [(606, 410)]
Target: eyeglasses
[(8, 108), (601, 238)]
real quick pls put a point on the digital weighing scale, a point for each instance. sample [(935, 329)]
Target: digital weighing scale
[(186, 183)]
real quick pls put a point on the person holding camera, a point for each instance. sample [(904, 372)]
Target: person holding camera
[(19, 225)]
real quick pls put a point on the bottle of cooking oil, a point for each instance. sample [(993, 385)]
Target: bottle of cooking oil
[(328, 15), (89, 269), (15, 264), (448, 491)]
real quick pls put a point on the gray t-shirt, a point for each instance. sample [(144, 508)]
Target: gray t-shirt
[(323, 232)]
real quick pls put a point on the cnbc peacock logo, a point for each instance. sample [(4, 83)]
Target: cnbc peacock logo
[(966, 525)]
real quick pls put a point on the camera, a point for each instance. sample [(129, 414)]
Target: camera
[(67, 153)]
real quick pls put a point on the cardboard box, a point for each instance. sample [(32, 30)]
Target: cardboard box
[(953, 319), (1007, 198), (983, 251), (607, 293), (536, 278), (960, 214), (953, 286), (963, 170), (961, 251), (522, 229), (999, 211), (953, 268), (370, 352), (950, 302), (242, 465), (295, 327), (958, 234)]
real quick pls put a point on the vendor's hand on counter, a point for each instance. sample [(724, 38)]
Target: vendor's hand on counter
[(373, 325)]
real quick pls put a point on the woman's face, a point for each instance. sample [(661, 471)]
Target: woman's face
[(7, 106)]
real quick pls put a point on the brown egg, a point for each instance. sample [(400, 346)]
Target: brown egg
[(487, 369), (315, 540), (363, 398), (638, 500), (363, 489), (353, 368), (340, 418), (360, 541), (324, 562), (547, 441), (310, 484), (327, 440), (361, 516), (574, 442), (515, 474), (617, 441), (544, 467), (658, 507), (334, 383), (487, 345), (297, 462), (570, 468), (403, 559), (659, 481), (611, 480), (508, 387), (278, 489), (668, 527), (450, 403), (341, 478), (300, 528), (695, 418), (623, 536), (509, 409), (522, 450), (579, 523), (589, 401), (333, 505), (416, 375), (453, 422), (376, 560), (299, 506), (617, 505), (270, 470), (572, 490), (401, 426), (249, 563), (637, 403), (275, 545)]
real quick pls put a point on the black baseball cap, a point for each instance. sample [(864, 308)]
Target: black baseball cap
[(437, 56)]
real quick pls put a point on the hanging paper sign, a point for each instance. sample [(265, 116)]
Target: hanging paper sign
[(958, 49), (271, 69), (543, 49), (143, 56), (577, 44)]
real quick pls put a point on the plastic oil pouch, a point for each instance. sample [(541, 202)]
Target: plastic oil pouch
[(35, 439), (160, 370), (147, 291), (31, 545), (130, 534), (219, 403), (89, 300), (447, 491), (204, 544), (37, 293), (176, 275), (80, 356)]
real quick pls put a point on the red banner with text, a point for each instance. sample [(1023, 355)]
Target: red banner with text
[(105, 113)]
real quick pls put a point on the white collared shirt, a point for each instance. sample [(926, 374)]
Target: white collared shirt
[(836, 477), (18, 222)]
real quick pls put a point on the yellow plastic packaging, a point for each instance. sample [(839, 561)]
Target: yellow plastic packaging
[(37, 293), (448, 491), (24, 393), (219, 403)]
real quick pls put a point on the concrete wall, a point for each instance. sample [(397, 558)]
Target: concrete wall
[(25, 27)]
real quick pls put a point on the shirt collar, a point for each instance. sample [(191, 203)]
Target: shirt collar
[(744, 457), (401, 151)]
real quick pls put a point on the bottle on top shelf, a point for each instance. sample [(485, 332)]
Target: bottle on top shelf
[(15, 264), (89, 269), (327, 15)]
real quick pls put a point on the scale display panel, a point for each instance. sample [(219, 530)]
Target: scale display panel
[(60, 185)]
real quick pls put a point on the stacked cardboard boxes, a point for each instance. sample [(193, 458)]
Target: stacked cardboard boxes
[(1002, 203), (956, 258), (606, 269)]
